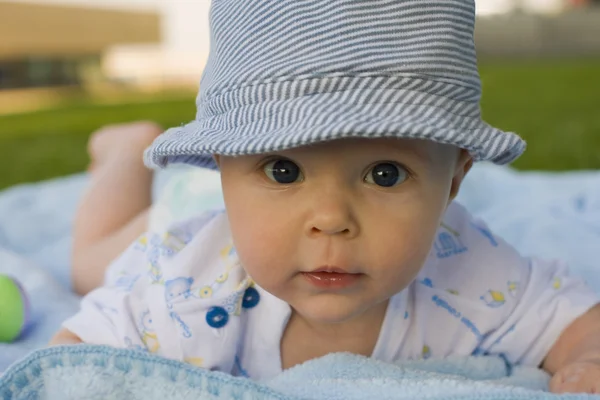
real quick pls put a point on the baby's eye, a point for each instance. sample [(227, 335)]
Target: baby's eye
[(283, 171), (386, 175)]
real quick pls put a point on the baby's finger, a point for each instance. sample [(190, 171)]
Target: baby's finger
[(576, 381)]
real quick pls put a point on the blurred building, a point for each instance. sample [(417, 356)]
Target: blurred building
[(45, 45), (166, 42), (538, 28), (499, 7), (180, 57)]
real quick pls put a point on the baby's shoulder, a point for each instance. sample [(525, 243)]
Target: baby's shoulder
[(468, 259), (174, 292), (188, 228), (199, 247), (194, 253)]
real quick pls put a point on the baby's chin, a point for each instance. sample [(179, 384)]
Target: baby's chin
[(330, 309)]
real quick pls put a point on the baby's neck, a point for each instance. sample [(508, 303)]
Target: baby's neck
[(304, 340)]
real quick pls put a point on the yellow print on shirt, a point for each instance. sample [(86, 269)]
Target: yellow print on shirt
[(206, 292), (172, 242), (148, 334), (151, 342), (493, 298), (227, 251), (557, 283), (141, 243), (426, 352), (228, 255), (195, 361), (155, 274)]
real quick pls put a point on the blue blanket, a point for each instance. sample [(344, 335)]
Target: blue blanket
[(98, 372), (553, 215)]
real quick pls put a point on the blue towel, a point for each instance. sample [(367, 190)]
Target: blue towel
[(552, 215), (35, 242), (98, 372)]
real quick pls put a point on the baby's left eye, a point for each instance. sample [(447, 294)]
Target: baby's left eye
[(283, 171), (386, 175)]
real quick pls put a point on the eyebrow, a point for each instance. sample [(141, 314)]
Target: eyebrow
[(418, 152)]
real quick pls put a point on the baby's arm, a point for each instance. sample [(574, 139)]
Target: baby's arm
[(65, 336), (111, 313), (121, 313), (545, 317), (574, 360), (113, 210)]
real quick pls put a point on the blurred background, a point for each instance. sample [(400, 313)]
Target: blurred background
[(68, 67)]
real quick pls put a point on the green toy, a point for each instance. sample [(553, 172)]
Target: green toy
[(14, 309)]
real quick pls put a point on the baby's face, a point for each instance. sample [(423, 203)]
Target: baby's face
[(366, 207)]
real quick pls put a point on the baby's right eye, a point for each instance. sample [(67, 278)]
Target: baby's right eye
[(283, 171), (386, 174)]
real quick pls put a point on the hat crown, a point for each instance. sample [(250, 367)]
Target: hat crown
[(256, 42), (289, 73)]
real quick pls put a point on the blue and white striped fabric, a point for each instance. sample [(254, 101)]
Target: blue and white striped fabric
[(288, 73)]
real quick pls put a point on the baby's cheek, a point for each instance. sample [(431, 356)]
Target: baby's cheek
[(402, 255), (264, 259), (406, 270)]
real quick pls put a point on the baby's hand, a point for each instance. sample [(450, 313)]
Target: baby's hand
[(577, 377), (64, 336)]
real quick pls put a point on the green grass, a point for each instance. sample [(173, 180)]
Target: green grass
[(554, 105), (45, 144)]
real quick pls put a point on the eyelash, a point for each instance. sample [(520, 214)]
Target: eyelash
[(261, 167), (410, 174)]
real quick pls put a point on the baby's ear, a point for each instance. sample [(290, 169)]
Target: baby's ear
[(463, 166)]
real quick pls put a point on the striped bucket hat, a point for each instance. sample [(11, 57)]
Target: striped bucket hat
[(288, 73)]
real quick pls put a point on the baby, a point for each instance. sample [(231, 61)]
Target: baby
[(342, 130)]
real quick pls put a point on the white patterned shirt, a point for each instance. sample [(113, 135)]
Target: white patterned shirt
[(183, 294)]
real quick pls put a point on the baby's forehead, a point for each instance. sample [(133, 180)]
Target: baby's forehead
[(425, 150)]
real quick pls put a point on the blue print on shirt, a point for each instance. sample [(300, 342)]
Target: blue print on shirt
[(240, 370), (426, 282), (448, 243), (183, 328), (486, 233), (493, 298), (174, 289), (470, 325), (178, 287), (174, 241), (106, 309), (126, 282)]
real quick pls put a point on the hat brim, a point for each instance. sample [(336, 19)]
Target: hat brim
[(281, 125)]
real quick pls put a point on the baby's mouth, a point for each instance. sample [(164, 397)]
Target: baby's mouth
[(331, 278)]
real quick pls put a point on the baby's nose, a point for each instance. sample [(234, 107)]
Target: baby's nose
[(332, 218), (327, 230)]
